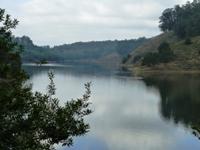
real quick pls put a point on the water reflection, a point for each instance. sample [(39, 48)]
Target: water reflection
[(127, 111), (180, 97), (77, 69)]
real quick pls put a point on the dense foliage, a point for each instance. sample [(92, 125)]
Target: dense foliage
[(32, 120), (34, 53), (86, 50), (10, 61), (164, 55), (188, 41), (150, 59), (183, 20)]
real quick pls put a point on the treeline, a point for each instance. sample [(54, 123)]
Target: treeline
[(78, 50), (35, 53), (183, 20), (86, 50)]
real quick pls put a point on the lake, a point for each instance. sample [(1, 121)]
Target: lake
[(130, 113)]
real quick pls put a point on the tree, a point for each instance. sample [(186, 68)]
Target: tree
[(32, 120), (180, 27), (10, 61), (164, 46), (150, 59), (164, 55), (183, 20), (188, 41), (167, 20)]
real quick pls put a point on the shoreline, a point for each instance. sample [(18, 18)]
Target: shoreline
[(155, 71)]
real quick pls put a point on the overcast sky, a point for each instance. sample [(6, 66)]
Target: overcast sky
[(55, 22)]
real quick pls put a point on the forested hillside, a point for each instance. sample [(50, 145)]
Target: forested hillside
[(79, 51), (179, 42), (34, 53)]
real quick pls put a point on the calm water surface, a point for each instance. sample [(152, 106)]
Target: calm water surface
[(130, 113)]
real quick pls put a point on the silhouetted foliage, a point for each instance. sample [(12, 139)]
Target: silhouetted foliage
[(196, 130), (32, 120), (10, 62)]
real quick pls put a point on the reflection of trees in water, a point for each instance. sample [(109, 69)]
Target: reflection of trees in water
[(77, 69), (180, 97)]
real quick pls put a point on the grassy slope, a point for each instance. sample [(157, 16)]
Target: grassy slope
[(188, 55), (188, 58), (152, 44)]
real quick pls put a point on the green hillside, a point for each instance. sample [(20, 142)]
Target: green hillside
[(181, 41), (94, 51), (187, 56)]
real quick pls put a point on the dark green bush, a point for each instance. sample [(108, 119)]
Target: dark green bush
[(188, 41)]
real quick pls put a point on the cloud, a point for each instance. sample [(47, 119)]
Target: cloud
[(59, 21)]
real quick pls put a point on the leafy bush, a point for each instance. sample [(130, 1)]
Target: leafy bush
[(164, 55), (150, 59), (188, 41)]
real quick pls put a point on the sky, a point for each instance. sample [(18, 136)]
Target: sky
[(57, 22)]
